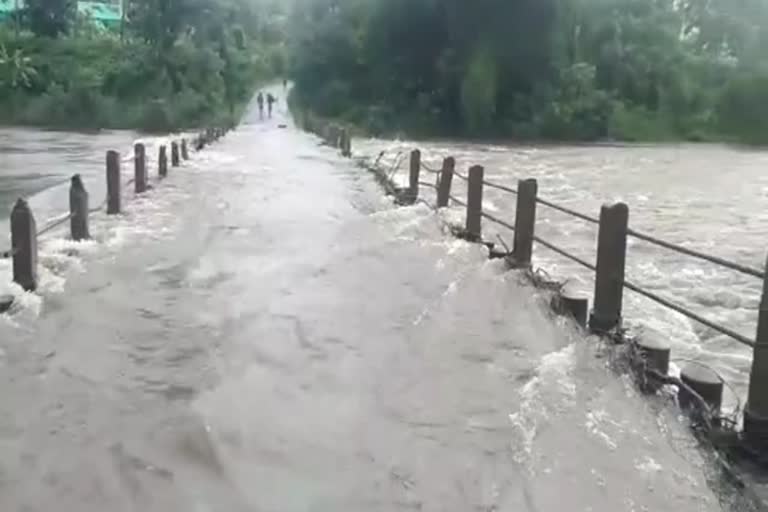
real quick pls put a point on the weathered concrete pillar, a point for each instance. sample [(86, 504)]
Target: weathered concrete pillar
[(184, 153), (24, 244), (78, 209), (162, 161), (474, 227), (413, 176), (113, 182), (140, 168), (446, 179), (609, 277), (346, 143), (174, 154), (756, 409), (705, 382), (525, 222), (199, 141)]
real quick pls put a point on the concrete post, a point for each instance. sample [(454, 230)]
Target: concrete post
[(525, 222), (24, 243), (113, 182), (175, 154), (162, 161), (346, 143), (756, 409), (609, 277), (140, 168), (446, 179), (705, 382), (475, 203), (655, 352), (184, 153), (199, 142), (413, 176), (78, 209)]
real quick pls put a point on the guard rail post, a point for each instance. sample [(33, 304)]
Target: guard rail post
[(174, 154), (413, 177), (162, 161), (756, 410), (184, 153), (140, 168), (525, 222), (474, 224), (113, 182), (78, 210), (24, 246), (446, 179), (609, 275)]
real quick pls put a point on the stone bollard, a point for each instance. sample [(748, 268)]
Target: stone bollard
[(162, 161), (113, 182), (446, 179), (184, 153), (413, 177), (654, 352), (609, 276), (525, 222), (199, 142), (574, 305), (705, 382), (24, 244), (78, 209), (756, 409), (140, 168), (174, 154), (474, 225)]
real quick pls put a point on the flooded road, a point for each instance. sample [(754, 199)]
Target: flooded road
[(705, 197), (264, 331)]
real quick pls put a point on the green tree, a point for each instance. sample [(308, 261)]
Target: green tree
[(50, 18)]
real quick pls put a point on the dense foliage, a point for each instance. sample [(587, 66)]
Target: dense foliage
[(172, 64), (559, 69)]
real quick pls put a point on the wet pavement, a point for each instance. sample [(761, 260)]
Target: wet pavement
[(264, 331)]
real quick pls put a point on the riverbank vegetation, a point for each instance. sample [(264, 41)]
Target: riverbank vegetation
[(527, 69), (170, 64)]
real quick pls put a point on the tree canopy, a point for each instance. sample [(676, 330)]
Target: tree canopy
[(574, 69)]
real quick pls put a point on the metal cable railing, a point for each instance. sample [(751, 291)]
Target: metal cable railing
[(737, 267), (54, 224), (499, 187), (428, 185), (428, 169), (457, 201), (628, 284)]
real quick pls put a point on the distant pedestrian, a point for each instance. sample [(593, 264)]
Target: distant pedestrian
[(270, 101), (285, 83), (260, 101)]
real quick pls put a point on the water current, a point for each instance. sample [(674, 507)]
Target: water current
[(264, 331)]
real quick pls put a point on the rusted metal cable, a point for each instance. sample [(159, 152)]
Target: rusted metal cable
[(460, 176), (564, 253), (54, 224), (500, 187), (568, 211), (497, 220), (696, 254), (690, 314), (428, 185), (429, 169), (457, 201)]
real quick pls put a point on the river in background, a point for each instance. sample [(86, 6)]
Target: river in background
[(710, 198)]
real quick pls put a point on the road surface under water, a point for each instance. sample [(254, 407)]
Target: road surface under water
[(264, 331), (705, 197)]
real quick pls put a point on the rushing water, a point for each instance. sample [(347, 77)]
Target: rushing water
[(705, 197), (264, 331)]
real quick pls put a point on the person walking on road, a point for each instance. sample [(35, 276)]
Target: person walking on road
[(260, 101), (270, 101)]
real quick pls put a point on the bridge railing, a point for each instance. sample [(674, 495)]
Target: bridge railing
[(24, 230), (605, 317)]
